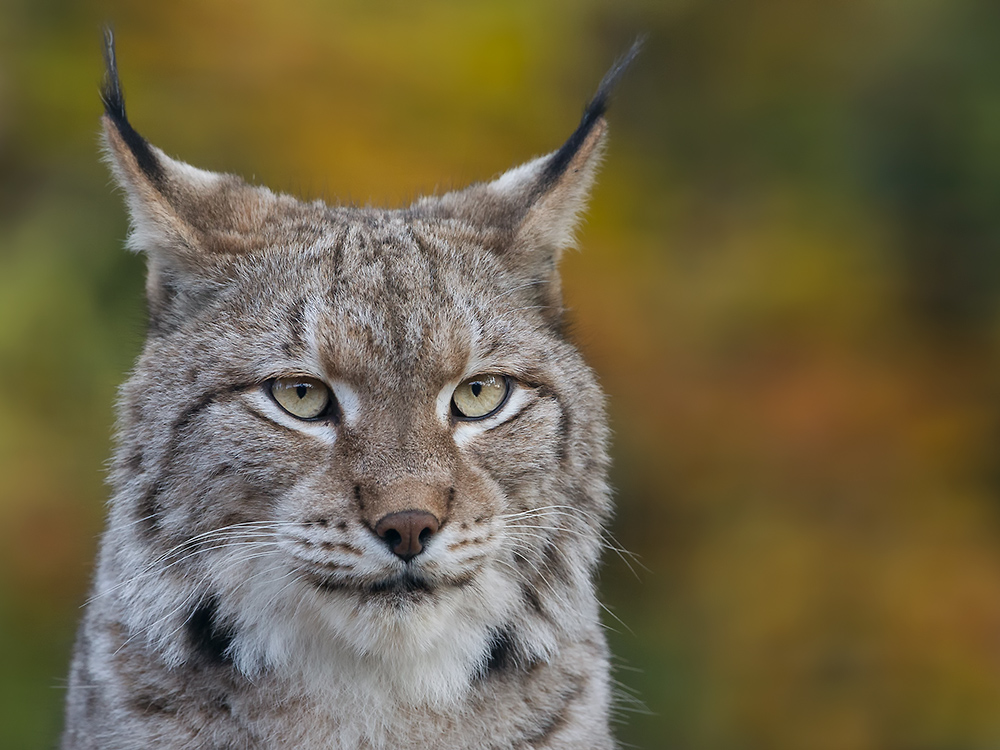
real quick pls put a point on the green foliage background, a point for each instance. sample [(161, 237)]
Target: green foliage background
[(788, 283)]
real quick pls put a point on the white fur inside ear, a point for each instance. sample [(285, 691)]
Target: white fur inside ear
[(550, 220), (516, 179), (154, 222), (193, 177)]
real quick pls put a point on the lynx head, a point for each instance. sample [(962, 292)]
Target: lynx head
[(357, 436)]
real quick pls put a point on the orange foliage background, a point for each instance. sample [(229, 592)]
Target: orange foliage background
[(788, 283)]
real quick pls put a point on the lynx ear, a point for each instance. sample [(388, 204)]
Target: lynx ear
[(536, 206), (184, 219)]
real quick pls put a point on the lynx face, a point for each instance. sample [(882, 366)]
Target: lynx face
[(373, 440), (358, 458)]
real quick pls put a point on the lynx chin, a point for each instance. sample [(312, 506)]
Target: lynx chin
[(359, 488)]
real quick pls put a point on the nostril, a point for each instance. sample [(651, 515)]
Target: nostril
[(407, 532)]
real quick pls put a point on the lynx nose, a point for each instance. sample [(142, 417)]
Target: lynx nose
[(406, 532)]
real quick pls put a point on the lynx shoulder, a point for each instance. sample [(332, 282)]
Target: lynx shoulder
[(359, 488)]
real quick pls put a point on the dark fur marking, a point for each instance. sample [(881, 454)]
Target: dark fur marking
[(406, 585), (328, 584), (149, 508), (555, 565), (220, 471), (563, 427), (395, 297), (209, 639), (171, 303), (503, 656), (159, 304), (296, 327), (206, 400), (531, 597), (264, 418), (592, 114), (114, 106), (438, 289), (146, 703), (222, 704), (91, 706), (564, 424), (149, 511), (328, 546), (534, 601), (462, 582), (557, 719), (134, 461), (337, 261)]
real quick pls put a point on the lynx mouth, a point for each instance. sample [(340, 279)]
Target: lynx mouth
[(403, 586)]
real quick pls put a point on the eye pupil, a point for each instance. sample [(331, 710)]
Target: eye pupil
[(476, 389), (301, 390)]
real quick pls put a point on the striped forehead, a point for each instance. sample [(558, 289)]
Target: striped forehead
[(390, 299)]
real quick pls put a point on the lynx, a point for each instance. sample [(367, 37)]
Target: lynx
[(359, 487)]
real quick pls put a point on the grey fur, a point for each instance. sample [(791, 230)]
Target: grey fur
[(241, 598)]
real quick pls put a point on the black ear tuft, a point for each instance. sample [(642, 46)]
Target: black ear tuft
[(114, 108), (591, 115), (111, 89)]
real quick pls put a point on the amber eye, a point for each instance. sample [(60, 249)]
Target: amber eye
[(480, 396), (302, 397)]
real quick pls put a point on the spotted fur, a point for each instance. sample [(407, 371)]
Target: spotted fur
[(242, 596)]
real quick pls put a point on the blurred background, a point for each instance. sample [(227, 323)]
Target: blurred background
[(789, 284)]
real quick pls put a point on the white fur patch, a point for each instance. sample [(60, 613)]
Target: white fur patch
[(348, 400), (515, 179), (421, 652)]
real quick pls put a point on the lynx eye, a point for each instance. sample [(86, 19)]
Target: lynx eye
[(302, 397), (480, 396)]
